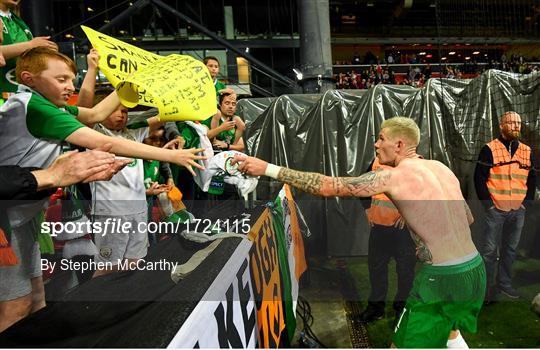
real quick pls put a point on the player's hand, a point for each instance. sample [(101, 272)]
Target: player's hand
[(250, 165)]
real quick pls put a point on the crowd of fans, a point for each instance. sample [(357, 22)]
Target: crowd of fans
[(61, 157), (37, 125), (514, 64), (377, 74), (417, 75)]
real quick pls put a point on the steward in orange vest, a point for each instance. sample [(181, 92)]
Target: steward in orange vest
[(504, 177), (387, 239), (382, 210), (505, 180)]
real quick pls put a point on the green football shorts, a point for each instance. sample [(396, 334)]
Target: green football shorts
[(443, 298)]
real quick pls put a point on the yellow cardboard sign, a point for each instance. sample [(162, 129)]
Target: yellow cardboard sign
[(179, 86), (118, 59)]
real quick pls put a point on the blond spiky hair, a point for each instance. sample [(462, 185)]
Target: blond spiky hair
[(402, 127)]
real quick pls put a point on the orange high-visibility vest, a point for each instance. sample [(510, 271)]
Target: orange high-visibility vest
[(507, 183), (382, 210)]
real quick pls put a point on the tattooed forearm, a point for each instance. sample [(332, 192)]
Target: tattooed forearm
[(363, 186), (307, 182)]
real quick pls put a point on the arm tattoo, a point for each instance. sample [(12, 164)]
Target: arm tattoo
[(369, 183), (307, 182), (363, 186)]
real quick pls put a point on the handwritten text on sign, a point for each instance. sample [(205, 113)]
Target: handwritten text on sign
[(179, 86), (118, 59)]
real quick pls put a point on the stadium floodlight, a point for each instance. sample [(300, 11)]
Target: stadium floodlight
[(299, 75)]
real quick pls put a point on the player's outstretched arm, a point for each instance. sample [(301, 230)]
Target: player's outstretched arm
[(366, 185)]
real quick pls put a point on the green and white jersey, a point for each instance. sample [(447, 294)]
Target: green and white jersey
[(31, 132), (32, 129), (219, 86), (15, 31), (125, 193), (151, 172), (225, 136)]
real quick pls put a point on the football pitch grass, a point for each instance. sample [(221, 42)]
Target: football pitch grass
[(507, 323)]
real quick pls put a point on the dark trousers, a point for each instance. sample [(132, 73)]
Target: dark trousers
[(501, 238), (385, 243)]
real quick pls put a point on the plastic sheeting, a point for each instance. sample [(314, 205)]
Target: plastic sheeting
[(334, 134)]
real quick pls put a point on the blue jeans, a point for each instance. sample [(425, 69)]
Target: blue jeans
[(501, 238)]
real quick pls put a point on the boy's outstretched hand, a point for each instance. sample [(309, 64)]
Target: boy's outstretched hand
[(187, 158)]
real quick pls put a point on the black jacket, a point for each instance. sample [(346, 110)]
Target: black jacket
[(20, 184)]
